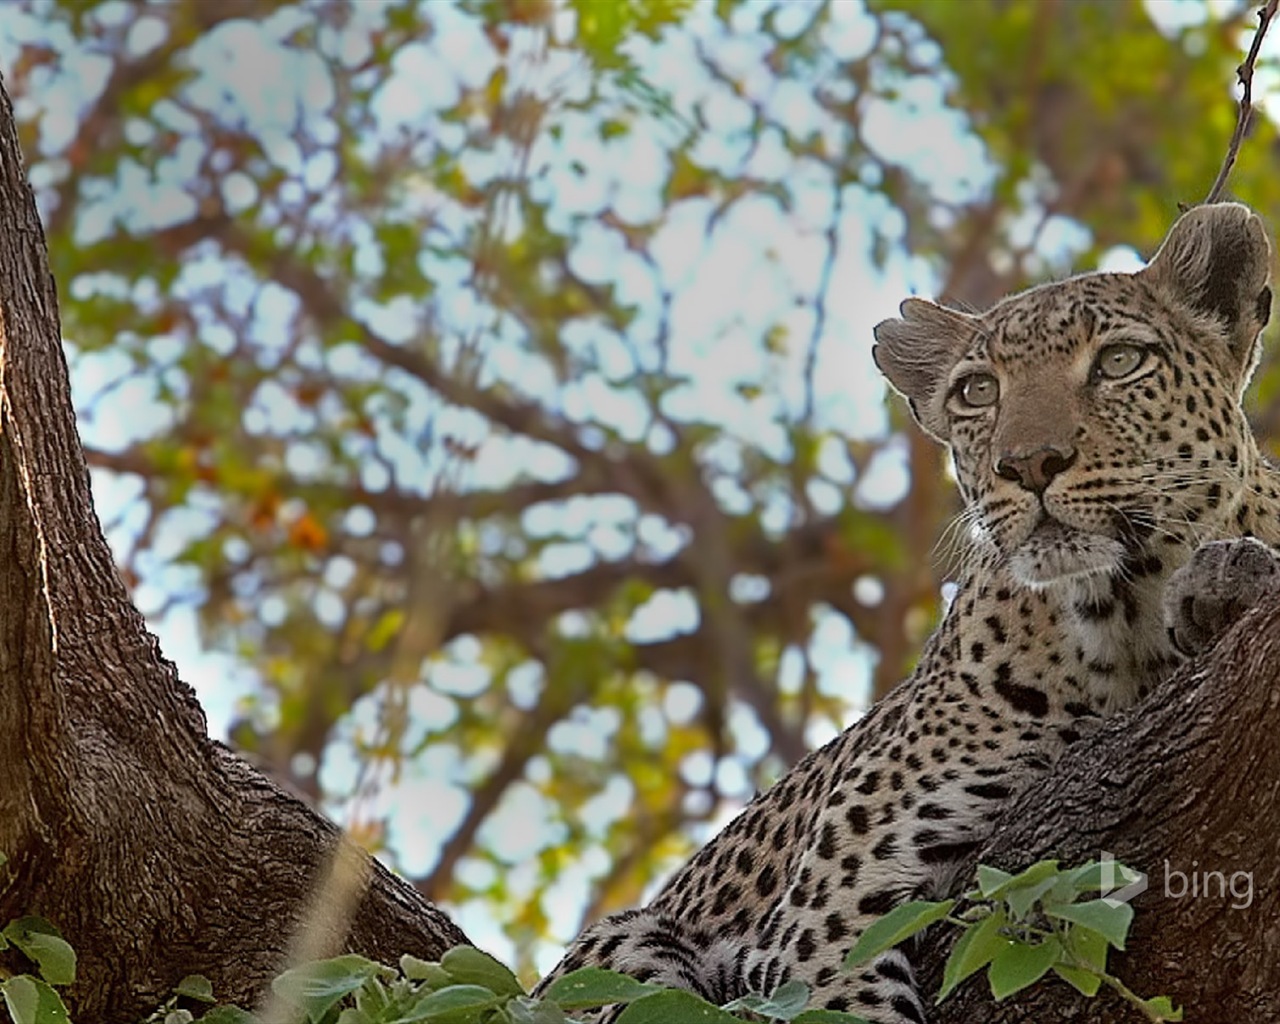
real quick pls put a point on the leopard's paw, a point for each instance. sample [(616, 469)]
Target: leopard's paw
[(1223, 580)]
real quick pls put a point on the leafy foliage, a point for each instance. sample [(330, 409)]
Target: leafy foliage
[(1019, 927), (470, 987), (490, 380), (1022, 927), (33, 998)]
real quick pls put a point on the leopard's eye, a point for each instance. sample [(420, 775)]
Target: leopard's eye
[(1117, 361), (978, 390)]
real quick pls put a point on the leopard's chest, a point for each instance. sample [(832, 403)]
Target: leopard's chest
[(1116, 632), (1096, 642)]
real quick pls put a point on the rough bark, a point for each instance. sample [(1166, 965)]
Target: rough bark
[(1185, 782), (155, 850)]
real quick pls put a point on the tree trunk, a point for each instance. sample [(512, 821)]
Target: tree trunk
[(154, 850), (1185, 783)]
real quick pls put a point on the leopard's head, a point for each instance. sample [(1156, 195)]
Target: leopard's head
[(1095, 421)]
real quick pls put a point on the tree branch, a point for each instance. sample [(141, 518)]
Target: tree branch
[(526, 740), (1244, 73), (456, 506), (1184, 782)]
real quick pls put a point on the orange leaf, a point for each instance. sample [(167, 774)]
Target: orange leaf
[(262, 514), (308, 534)]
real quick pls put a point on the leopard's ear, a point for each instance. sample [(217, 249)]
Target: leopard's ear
[(916, 354), (1217, 260)]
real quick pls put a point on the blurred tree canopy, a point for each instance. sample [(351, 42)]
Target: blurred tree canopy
[(491, 378)]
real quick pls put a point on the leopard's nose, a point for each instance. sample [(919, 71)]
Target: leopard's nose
[(1034, 470)]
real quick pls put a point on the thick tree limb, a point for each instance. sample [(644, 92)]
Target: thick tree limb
[(1183, 784), (156, 851)]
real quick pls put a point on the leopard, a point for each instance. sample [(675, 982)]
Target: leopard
[(1120, 517)]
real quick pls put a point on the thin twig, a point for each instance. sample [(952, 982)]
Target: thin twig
[(1245, 75)]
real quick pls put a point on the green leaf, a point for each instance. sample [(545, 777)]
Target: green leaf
[(991, 880), (612, 128), (595, 986), (195, 986), (32, 1001), (427, 971), (789, 999), (978, 946), (1087, 877), (523, 1010), (992, 887), (673, 1005), (372, 999), (1109, 919), (1093, 876), (468, 966), (1020, 900), (447, 1004), (1087, 946), (1021, 965), (228, 1015), (316, 987), (829, 1017), (1078, 978), (48, 950), (1162, 1008), (900, 923)]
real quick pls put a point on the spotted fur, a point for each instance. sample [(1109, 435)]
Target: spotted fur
[(1098, 440)]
